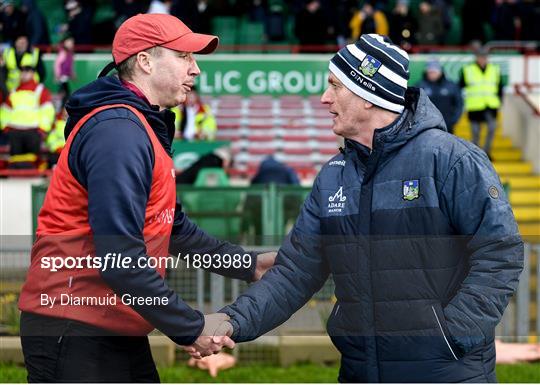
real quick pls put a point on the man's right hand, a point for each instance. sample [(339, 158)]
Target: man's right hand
[(215, 335)]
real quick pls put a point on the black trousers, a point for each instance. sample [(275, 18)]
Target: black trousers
[(65, 91), (24, 142), (62, 350)]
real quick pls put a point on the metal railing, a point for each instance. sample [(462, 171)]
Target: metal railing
[(209, 292)]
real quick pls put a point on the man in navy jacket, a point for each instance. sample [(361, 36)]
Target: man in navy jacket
[(414, 227), (445, 94)]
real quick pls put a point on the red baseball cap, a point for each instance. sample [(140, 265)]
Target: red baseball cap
[(145, 31)]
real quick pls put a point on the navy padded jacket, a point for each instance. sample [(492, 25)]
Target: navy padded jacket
[(422, 276)]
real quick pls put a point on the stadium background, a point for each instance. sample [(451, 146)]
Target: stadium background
[(266, 101)]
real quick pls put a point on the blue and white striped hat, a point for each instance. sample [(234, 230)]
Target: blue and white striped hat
[(375, 69)]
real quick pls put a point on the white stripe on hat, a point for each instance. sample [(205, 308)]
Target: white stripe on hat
[(380, 39), (370, 79), (386, 53), (353, 49), (383, 70), (363, 93)]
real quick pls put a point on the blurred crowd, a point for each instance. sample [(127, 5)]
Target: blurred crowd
[(315, 22), (34, 117)]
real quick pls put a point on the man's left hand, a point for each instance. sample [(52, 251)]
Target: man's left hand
[(264, 262)]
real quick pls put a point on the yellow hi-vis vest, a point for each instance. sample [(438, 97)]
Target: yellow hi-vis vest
[(13, 72), (56, 140), (205, 122), (26, 111), (481, 88)]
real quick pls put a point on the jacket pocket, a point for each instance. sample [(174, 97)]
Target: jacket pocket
[(441, 323)]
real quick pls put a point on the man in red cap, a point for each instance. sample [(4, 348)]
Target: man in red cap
[(96, 287)]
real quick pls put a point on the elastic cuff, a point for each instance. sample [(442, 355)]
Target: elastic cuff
[(232, 321), (253, 267), (186, 340), (236, 329)]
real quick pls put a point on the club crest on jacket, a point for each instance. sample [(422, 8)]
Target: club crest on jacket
[(411, 189)]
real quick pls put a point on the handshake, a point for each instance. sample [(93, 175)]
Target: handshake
[(217, 328), (215, 335)]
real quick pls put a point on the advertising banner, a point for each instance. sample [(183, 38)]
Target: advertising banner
[(279, 74)]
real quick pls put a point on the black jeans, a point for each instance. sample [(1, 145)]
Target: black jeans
[(62, 350)]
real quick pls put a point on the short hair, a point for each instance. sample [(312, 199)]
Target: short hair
[(126, 69)]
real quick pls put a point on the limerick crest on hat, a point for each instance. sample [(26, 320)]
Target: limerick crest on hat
[(370, 66), (411, 189)]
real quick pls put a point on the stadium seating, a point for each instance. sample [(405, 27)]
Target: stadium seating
[(292, 128), (297, 131)]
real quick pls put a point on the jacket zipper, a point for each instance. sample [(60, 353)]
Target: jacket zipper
[(442, 332)]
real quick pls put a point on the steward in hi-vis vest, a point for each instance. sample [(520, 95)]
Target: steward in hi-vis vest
[(22, 55), (27, 117), (482, 87), (55, 140)]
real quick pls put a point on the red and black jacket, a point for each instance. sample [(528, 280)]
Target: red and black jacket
[(113, 182)]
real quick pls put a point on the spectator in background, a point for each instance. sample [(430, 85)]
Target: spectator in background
[(219, 158), (483, 88), (12, 22), (55, 140), (430, 25), (368, 20), (474, 14), (63, 67), (27, 116), (17, 56), (3, 87), (124, 9), (3, 97), (197, 14), (529, 11), (506, 20), (445, 94), (310, 25), (445, 8), (80, 14), (36, 24), (160, 6), (275, 21), (195, 119), (340, 15), (274, 171), (204, 16), (256, 10), (402, 25)]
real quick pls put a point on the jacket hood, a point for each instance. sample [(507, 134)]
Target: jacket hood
[(423, 115), (420, 114), (109, 90)]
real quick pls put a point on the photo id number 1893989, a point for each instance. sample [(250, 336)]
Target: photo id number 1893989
[(217, 261)]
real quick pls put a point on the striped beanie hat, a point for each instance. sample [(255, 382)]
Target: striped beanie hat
[(375, 69)]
